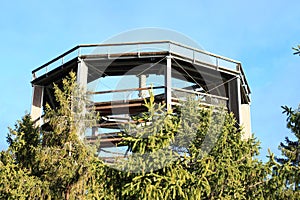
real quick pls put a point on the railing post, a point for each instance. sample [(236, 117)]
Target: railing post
[(194, 59), (238, 67), (138, 50), (79, 51)]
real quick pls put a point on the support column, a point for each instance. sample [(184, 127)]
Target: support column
[(168, 83), (37, 104), (239, 98), (94, 131), (241, 111), (143, 84), (82, 73), (246, 121), (234, 95)]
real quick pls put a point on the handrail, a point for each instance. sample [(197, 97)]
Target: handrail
[(205, 52), (92, 45), (200, 93), (55, 59), (137, 43), (126, 90)]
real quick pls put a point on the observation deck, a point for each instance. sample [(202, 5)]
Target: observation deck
[(118, 76)]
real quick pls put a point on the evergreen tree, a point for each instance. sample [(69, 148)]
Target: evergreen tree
[(291, 149), (193, 153), (16, 182), (23, 142), (55, 158), (225, 170), (288, 166)]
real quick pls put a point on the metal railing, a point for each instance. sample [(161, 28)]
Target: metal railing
[(204, 98), (178, 94), (193, 54), (124, 95)]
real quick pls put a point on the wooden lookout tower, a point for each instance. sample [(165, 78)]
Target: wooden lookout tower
[(118, 76)]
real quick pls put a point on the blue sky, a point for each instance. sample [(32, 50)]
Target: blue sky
[(260, 34)]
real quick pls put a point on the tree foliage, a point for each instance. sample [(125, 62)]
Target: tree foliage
[(55, 158), (193, 153), (290, 162), (288, 166)]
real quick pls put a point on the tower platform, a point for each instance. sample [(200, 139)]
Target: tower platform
[(119, 75)]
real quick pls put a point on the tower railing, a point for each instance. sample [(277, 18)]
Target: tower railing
[(193, 54)]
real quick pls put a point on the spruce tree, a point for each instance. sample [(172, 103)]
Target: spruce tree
[(191, 152), (291, 149)]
